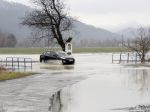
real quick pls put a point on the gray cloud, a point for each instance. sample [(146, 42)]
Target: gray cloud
[(110, 6), (108, 13)]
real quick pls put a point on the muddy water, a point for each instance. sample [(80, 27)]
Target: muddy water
[(93, 84)]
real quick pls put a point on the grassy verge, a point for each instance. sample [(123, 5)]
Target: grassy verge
[(6, 75), (99, 50), (21, 50), (76, 50)]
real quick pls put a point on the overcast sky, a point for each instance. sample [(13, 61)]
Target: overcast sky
[(109, 14)]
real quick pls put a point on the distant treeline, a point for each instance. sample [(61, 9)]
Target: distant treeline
[(77, 43), (7, 40), (85, 43)]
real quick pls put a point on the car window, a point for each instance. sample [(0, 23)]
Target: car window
[(62, 53), (52, 53), (48, 53)]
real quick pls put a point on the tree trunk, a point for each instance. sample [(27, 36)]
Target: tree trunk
[(61, 43), (60, 38), (143, 59), (63, 46)]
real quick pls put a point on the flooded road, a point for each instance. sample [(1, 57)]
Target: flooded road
[(116, 92), (93, 84)]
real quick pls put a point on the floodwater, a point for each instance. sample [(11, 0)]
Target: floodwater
[(93, 84)]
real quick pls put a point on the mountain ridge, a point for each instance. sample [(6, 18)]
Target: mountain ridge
[(10, 19)]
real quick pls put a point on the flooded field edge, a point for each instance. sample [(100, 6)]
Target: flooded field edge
[(92, 84)]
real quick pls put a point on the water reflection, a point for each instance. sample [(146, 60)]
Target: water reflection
[(139, 79), (138, 108), (60, 100), (2, 109), (57, 67), (55, 102), (101, 93)]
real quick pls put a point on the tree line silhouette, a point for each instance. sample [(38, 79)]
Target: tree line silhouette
[(7, 40)]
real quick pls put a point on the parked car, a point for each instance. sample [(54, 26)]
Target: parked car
[(60, 55)]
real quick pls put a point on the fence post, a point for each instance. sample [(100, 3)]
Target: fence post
[(12, 63), (1, 62), (128, 58), (24, 62), (136, 58), (18, 63), (120, 58), (112, 58), (31, 63), (6, 62)]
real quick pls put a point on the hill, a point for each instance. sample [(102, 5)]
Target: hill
[(10, 19)]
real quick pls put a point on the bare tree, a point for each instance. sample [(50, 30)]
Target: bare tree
[(11, 40), (7, 40), (52, 18), (140, 44)]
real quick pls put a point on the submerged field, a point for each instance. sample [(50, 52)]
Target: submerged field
[(93, 84), (76, 50)]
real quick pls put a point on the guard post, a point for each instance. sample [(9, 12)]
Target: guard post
[(68, 48)]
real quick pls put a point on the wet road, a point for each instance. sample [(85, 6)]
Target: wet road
[(93, 84)]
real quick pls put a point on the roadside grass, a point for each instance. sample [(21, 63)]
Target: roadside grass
[(21, 50), (75, 50), (7, 75), (99, 50)]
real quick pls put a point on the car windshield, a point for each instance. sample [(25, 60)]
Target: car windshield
[(62, 54)]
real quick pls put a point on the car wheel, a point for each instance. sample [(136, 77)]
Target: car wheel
[(41, 60)]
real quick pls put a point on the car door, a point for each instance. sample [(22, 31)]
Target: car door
[(47, 55), (53, 56)]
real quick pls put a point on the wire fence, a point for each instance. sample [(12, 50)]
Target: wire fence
[(128, 58), (17, 63)]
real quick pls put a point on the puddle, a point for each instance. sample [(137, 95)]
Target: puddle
[(120, 91)]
